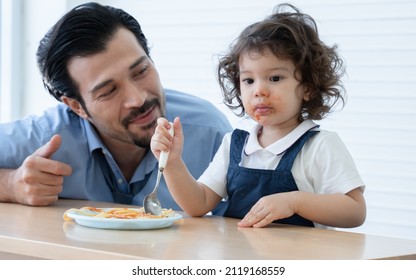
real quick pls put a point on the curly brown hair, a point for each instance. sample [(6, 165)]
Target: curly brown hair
[(292, 35)]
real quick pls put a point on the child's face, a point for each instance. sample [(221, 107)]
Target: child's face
[(270, 93)]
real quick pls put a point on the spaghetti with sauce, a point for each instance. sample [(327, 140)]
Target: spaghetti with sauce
[(117, 213)]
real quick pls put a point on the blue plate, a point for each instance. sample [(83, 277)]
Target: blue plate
[(113, 223)]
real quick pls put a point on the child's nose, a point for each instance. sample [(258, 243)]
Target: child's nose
[(262, 91)]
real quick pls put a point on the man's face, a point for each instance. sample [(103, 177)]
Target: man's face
[(121, 90)]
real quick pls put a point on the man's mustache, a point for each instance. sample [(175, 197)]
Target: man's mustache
[(148, 104)]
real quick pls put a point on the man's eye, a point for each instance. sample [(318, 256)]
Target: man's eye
[(107, 93), (275, 78), (140, 73)]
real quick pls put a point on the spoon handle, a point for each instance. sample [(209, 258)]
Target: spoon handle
[(164, 155)]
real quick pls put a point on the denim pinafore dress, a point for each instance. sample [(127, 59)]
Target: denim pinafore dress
[(245, 186)]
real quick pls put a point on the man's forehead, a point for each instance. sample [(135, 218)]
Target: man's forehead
[(122, 53)]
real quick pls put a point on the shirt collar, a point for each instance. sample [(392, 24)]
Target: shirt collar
[(281, 145), (94, 141), (148, 164)]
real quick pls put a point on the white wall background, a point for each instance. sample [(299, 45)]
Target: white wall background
[(376, 38)]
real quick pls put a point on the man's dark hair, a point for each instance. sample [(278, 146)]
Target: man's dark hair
[(83, 31)]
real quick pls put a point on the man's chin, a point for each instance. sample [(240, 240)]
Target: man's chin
[(143, 139)]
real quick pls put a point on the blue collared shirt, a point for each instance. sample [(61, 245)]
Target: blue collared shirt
[(203, 125)]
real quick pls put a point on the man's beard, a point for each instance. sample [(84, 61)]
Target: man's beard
[(144, 141)]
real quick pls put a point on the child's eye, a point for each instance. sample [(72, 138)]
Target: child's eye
[(248, 81), (275, 78)]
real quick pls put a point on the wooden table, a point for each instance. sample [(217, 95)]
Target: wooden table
[(41, 233)]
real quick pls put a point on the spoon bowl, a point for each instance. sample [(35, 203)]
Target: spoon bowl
[(151, 203)]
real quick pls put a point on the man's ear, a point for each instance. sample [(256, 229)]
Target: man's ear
[(75, 106)]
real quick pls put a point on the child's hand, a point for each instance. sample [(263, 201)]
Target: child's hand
[(163, 141), (268, 209)]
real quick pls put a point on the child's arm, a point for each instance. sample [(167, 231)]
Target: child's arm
[(336, 210), (193, 197)]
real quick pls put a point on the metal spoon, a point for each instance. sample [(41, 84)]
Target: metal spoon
[(151, 203)]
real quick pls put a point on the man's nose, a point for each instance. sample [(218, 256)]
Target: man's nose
[(134, 96)]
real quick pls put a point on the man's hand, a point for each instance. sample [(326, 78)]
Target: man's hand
[(38, 181)]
